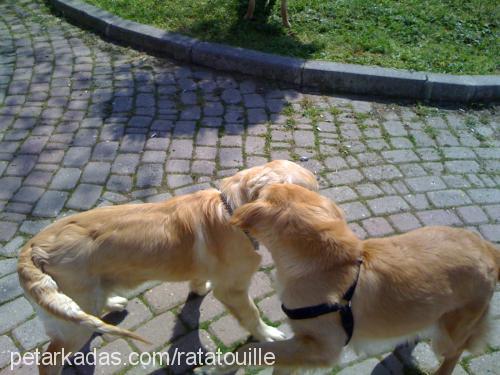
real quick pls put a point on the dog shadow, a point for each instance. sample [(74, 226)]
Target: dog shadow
[(189, 315), (399, 362)]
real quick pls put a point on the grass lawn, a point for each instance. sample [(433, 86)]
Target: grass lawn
[(448, 36)]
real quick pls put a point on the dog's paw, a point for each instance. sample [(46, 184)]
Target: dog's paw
[(200, 288), (268, 333), (116, 303)]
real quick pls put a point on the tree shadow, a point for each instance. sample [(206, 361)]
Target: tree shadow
[(263, 32)]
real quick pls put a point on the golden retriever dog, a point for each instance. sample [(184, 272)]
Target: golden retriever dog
[(284, 12), (73, 268), (434, 280)]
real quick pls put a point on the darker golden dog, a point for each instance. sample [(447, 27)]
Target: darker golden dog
[(435, 281)]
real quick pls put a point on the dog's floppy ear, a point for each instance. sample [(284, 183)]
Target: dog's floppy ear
[(248, 216)]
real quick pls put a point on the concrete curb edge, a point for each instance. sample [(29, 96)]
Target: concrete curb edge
[(323, 75)]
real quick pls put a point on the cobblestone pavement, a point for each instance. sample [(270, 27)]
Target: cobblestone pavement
[(84, 123)]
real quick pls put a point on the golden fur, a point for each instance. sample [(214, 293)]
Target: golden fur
[(284, 11), (437, 277), (71, 269)]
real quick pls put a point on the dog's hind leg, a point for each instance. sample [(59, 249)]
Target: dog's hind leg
[(65, 338), (460, 330)]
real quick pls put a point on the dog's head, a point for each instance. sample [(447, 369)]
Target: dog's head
[(288, 216), (245, 186)]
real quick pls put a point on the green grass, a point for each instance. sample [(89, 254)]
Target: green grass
[(449, 36)]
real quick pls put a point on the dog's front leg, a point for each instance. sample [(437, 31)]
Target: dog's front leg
[(239, 303)]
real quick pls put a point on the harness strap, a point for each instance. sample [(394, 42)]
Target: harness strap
[(230, 211), (345, 310)]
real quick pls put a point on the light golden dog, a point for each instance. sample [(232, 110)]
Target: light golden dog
[(72, 269), (437, 280), (284, 12)]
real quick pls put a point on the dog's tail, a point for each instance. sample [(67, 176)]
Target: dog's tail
[(43, 290)]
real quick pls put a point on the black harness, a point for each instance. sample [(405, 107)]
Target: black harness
[(230, 211), (345, 310)]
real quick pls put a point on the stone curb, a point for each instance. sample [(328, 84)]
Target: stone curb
[(324, 75)]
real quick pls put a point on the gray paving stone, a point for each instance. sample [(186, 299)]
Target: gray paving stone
[(125, 164), (51, 156), (119, 183), (166, 296), (472, 215), (13, 313), (439, 217), (84, 197), (159, 331), (404, 222), (491, 232), (228, 331), (427, 183), (487, 364), (448, 198), (7, 266), (28, 194), (462, 166), (207, 137), (33, 145), (66, 179), (118, 346), (485, 195), (191, 342), (230, 157), (33, 226), (11, 249), (387, 205), (77, 156), (96, 172), (367, 367), (154, 156), (105, 151), (271, 308), (345, 177), (50, 204), (21, 165), (339, 194), (133, 143), (400, 156), (355, 211), (7, 230), (377, 227), (157, 144), (7, 347), (203, 167), (381, 172), (177, 166), (30, 334), (149, 175), (395, 128), (9, 288), (181, 149)]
